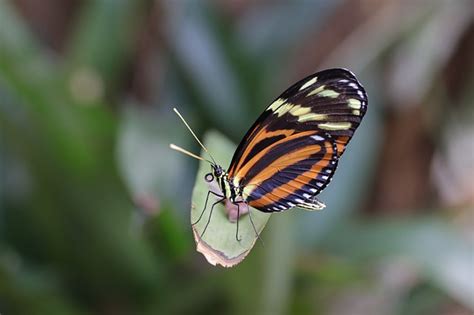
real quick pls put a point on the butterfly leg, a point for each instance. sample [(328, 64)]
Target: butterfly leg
[(238, 219), (255, 229), (205, 205), (210, 215)]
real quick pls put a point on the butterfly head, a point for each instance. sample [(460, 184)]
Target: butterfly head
[(217, 173)]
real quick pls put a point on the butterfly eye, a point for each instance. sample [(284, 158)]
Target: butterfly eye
[(209, 177)]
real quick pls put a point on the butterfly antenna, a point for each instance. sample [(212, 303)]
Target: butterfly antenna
[(195, 137), (179, 149)]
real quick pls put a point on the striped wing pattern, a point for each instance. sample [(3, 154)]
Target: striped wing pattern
[(291, 152), (294, 177)]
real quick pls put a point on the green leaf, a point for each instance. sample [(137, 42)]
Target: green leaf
[(219, 244)]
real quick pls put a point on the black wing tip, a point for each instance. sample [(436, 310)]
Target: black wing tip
[(338, 69), (333, 74), (338, 73), (324, 75)]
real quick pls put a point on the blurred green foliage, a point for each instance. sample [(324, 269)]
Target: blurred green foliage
[(94, 207)]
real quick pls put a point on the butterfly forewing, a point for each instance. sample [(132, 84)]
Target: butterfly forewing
[(290, 153)]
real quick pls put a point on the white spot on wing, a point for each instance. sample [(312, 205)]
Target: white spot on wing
[(317, 138), (312, 117), (298, 110), (284, 108), (316, 90), (335, 125), (353, 103), (328, 93), (276, 104), (309, 83)]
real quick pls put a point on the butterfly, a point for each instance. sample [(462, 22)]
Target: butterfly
[(291, 152)]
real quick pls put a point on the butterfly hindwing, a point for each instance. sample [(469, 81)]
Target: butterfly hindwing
[(279, 181)]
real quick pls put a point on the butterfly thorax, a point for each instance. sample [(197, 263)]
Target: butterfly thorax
[(226, 184)]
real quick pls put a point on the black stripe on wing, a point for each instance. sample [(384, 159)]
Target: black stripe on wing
[(276, 151)]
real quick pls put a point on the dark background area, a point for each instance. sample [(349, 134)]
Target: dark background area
[(94, 207)]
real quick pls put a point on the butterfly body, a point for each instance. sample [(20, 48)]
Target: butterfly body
[(291, 152)]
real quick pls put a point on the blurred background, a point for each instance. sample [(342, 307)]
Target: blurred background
[(94, 207)]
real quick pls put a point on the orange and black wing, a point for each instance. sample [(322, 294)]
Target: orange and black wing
[(291, 172), (290, 153)]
